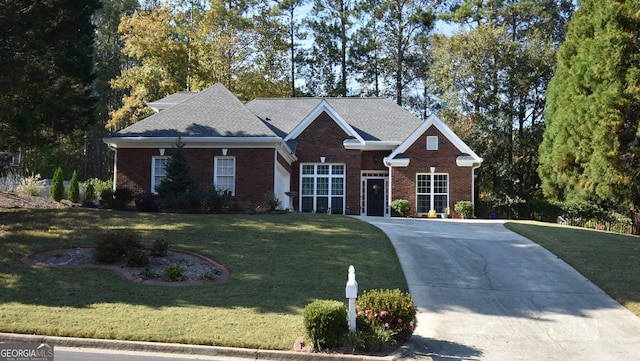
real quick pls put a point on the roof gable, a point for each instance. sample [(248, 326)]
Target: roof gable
[(468, 157), (324, 107), (373, 119)]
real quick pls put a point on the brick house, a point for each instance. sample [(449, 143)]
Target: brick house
[(338, 155)]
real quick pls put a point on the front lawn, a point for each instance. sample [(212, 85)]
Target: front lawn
[(609, 260), (278, 264)]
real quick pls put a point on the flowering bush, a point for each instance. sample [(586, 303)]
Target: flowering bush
[(387, 313)]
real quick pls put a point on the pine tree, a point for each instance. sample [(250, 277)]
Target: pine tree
[(591, 148), (178, 188), (57, 187)]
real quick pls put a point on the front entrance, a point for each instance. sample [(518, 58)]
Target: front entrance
[(375, 197)]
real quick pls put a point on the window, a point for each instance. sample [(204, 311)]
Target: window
[(224, 174), (432, 142), (432, 192), (322, 188), (158, 171)]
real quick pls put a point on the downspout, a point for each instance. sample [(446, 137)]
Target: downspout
[(115, 164), (389, 196), (473, 186)]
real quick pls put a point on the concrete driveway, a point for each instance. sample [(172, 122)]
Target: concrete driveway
[(486, 293)]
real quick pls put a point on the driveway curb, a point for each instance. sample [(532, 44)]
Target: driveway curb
[(253, 354)]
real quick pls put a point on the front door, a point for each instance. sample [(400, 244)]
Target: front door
[(375, 197)]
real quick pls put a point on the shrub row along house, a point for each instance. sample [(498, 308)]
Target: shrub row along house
[(338, 155)]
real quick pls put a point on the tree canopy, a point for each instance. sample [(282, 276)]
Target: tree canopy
[(46, 53), (591, 144)]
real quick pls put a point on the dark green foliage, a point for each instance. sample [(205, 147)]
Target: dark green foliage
[(325, 322), (590, 150), (112, 246), (272, 202), (136, 258), (57, 187), (545, 210), (90, 194), (178, 189), (214, 200), (106, 198), (174, 273), (46, 53), (146, 202), (160, 247), (382, 310), (74, 188), (121, 198)]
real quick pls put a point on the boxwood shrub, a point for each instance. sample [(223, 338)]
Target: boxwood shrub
[(325, 322)]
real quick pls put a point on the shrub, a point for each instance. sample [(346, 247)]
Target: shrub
[(401, 207), (174, 273), (160, 247), (57, 187), (388, 314), (89, 195), (121, 198), (136, 258), (106, 198), (74, 188), (146, 202), (325, 322), (272, 201), (214, 199), (464, 209), (112, 246)]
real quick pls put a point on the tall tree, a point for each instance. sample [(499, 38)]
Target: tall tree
[(192, 45), (109, 63), (330, 24), (46, 53), (391, 44), (492, 79), (591, 146), (293, 34)]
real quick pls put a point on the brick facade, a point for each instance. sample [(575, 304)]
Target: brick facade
[(324, 138), (254, 170), (421, 160)]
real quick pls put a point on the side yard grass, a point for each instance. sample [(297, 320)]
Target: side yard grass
[(609, 260), (278, 265)]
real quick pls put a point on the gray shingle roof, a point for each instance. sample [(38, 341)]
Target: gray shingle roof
[(170, 100), (377, 119), (214, 112)]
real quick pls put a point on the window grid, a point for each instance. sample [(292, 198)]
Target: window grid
[(322, 187), (225, 174), (432, 196), (159, 171)]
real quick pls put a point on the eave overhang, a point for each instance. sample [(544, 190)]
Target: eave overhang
[(369, 145), (204, 142)]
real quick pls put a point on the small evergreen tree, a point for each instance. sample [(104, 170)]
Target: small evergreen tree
[(74, 188), (178, 188), (57, 187)]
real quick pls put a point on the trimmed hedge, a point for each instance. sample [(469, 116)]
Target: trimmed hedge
[(325, 322)]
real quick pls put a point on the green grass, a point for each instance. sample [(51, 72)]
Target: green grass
[(609, 260), (278, 265)]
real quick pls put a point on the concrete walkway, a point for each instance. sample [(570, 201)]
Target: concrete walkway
[(486, 293)]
